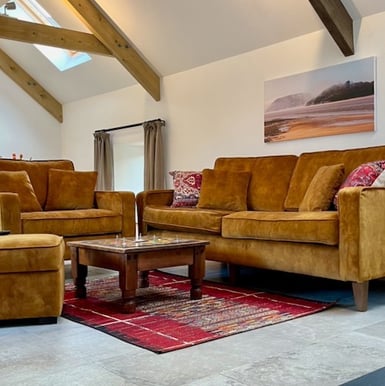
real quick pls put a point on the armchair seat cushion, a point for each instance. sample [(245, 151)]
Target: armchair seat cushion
[(31, 276), (187, 219), (72, 222), (31, 253), (308, 227)]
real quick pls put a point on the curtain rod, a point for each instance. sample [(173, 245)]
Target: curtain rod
[(126, 126)]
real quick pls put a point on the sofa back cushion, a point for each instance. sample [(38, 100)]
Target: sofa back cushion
[(37, 172), (19, 182), (69, 189), (270, 178), (309, 163), (224, 190), (324, 185)]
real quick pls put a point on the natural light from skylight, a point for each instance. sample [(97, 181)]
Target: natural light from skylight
[(31, 10)]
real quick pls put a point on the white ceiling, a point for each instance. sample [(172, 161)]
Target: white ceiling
[(174, 36)]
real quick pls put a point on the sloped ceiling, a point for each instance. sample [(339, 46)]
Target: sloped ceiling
[(174, 36)]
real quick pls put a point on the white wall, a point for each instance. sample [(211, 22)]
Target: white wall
[(25, 127), (217, 109)]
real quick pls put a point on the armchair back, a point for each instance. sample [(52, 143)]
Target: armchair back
[(37, 171)]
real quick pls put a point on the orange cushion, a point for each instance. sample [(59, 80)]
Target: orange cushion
[(70, 189), (322, 188), (225, 190), (19, 182)]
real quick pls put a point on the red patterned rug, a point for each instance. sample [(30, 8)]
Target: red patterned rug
[(166, 319)]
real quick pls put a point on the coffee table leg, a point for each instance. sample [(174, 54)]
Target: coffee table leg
[(196, 273), (128, 280), (144, 281), (79, 274)]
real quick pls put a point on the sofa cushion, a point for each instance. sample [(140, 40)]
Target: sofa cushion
[(31, 253), (187, 185), (224, 190), (308, 227), (70, 189), (19, 182), (270, 178), (184, 219), (72, 222), (322, 188)]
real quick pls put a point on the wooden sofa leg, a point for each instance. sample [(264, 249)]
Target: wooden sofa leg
[(360, 293), (234, 272)]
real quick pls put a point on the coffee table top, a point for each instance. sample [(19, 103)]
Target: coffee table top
[(133, 244)]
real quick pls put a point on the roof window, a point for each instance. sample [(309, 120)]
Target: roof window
[(31, 10)]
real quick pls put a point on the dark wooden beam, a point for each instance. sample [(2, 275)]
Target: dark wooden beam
[(338, 22)]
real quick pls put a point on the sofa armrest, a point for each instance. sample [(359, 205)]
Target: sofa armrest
[(10, 215), (124, 204), (362, 233), (151, 197)]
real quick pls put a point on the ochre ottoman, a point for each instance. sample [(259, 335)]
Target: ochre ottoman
[(31, 276)]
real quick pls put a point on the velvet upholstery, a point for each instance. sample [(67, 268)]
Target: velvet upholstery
[(306, 227), (224, 190), (69, 189), (185, 219), (37, 172), (31, 276), (322, 188), (19, 182), (270, 178), (344, 244), (110, 214), (308, 164)]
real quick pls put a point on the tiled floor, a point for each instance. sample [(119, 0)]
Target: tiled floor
[(324, 349)]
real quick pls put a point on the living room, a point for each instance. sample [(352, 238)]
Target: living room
[(213, 109)]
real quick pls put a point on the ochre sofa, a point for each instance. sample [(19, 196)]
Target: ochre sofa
[(31, 277), (275, 228), (49, 196)]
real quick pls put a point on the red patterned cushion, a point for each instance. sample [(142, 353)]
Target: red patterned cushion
[(187, 185), (363, 175)]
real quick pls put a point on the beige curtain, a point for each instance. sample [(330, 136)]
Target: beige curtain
[(103, 161), (153, 155)]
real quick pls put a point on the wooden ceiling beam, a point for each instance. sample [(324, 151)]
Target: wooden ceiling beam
[(103, 28), (31, 86), (338, 22), (24, 31)]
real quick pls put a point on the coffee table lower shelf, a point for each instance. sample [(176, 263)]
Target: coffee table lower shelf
[(133, 262)]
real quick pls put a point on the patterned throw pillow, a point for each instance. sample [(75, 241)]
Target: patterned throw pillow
[(380, 181), (363, 175), (187, 185)]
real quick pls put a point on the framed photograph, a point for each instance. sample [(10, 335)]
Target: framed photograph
[(335, 100)]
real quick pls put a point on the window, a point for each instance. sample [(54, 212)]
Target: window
[(128, 148), (31, 10)]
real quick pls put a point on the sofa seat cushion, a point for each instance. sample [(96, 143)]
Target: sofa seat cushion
[(72, 222), (308, 227), (31, 253), (184, 219)]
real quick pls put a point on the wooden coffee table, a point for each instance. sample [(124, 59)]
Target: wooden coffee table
[(133, 258)]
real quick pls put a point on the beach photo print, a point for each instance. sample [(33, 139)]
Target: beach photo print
[(335, 100)]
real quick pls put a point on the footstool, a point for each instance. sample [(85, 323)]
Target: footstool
[(31, 276)]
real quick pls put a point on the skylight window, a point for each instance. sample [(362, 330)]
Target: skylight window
[(31, 10)]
